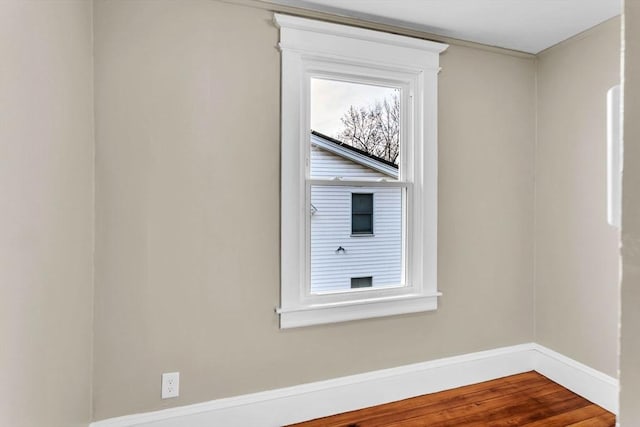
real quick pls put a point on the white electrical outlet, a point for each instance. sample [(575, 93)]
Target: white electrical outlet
[(170, 385)]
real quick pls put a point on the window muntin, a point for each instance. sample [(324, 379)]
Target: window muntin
[(312, 49)]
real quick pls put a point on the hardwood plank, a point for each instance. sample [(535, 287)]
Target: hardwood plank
[(527, 399), (572, 417), (464, 408), (444, 399), (604, 420), (440, 402), (480, 413), (532, 411)]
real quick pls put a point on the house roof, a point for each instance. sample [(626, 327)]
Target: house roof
[(355, 154)]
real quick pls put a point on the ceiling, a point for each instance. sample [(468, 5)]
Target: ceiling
[(524, 25)]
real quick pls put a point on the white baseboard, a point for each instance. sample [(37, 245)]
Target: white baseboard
[(593, 385), (319, 399)]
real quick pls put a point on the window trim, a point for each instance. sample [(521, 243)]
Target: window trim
[(312, 48)]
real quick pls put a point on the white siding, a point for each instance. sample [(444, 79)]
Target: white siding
[(379, 255), (327, 165)]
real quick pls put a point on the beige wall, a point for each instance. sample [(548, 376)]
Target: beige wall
[(46, 213), (187, 197), (187, 232), (576, 251), (630, 349)]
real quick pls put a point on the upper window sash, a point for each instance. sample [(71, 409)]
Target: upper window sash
[(359, 72)]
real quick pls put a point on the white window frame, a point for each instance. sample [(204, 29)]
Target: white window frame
[(312, 48)]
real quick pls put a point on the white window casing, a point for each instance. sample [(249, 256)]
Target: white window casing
[(315, 49)]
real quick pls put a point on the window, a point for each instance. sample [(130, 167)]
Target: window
[(361, 213), (354, 200), (361, 282)]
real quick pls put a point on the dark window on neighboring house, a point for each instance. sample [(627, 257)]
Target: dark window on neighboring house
[(361, 213), (361, 282)]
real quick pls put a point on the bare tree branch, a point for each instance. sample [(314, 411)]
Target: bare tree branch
[(374, 129)]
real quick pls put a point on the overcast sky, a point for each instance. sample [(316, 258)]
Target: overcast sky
[(330, 99)]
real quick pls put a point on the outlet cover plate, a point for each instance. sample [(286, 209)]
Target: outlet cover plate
[(170, 385)]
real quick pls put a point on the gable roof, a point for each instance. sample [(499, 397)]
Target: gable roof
[(354, 154)]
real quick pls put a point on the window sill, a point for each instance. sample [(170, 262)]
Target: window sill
[(319, 314)]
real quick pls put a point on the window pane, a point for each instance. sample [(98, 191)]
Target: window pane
[(361, 224), (355, 130), (362, 203), (339, 254)]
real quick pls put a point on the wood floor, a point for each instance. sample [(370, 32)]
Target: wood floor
[(528, 399)]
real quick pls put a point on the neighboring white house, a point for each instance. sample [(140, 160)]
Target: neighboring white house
[(356, 232)]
